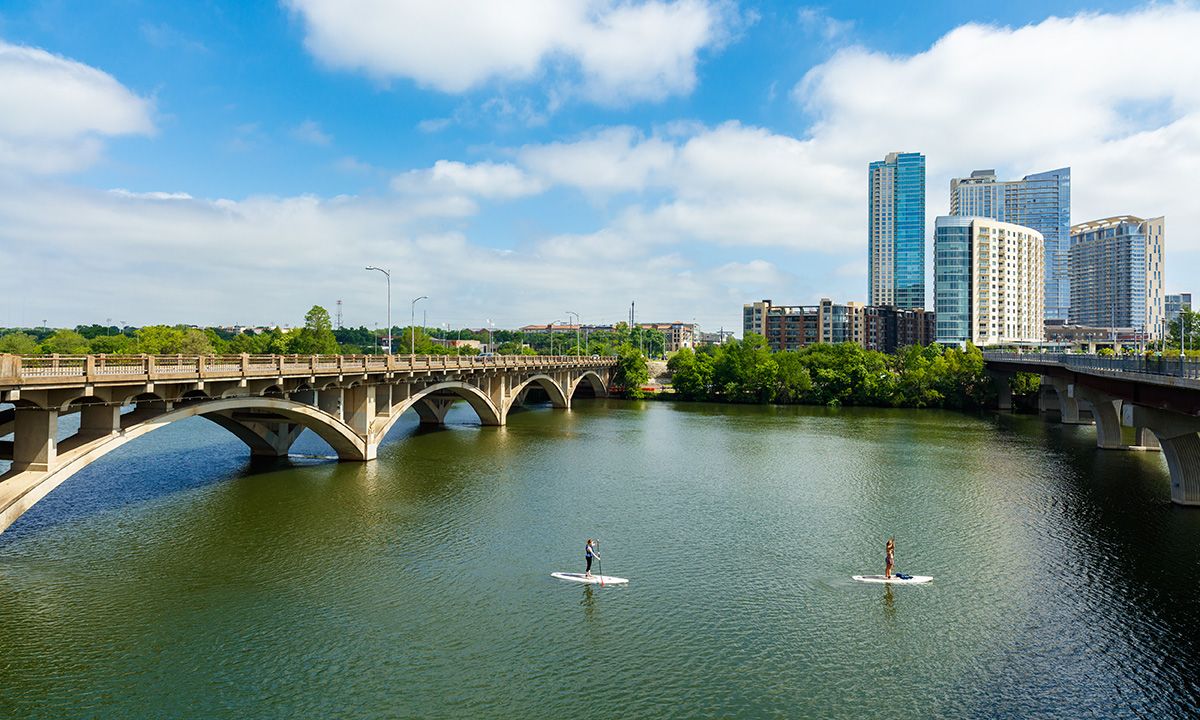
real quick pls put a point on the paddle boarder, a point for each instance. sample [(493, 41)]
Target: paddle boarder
[(589, 552), (889, 557)]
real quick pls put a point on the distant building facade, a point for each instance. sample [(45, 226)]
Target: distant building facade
[(1117, 274), (896, 231), (791, 327), (678, 335), (1173, 305), (988, 281), (1041, 201)]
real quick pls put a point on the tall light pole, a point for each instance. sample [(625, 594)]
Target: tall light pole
[(577, 348), (388, 275), (412, 324)]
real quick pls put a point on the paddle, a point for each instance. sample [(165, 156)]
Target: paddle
[(600, 564)]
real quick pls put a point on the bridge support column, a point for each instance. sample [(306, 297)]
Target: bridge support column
[(330, 401), (1047, 396), (1003, 389), (1179, 436), (432, 410), (35, 439), (1068, 404), (359, 411), (98, 420), (1107, 412)]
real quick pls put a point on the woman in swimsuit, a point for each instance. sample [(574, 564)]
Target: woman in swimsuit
[(589, 552), (889, 557)]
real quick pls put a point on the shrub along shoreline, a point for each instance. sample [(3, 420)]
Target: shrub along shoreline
[(746, 371)]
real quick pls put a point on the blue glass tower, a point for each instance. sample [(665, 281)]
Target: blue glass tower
[(896, 234), (1041, 201)]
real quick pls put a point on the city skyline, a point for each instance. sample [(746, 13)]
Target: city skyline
[(239, 165)]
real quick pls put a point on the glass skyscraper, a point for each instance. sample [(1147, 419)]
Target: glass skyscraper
[(1041, 201), (896, 235)]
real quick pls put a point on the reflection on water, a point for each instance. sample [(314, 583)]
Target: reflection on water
[(175, 579)]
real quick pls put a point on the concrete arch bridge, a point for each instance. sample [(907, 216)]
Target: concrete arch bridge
[(351, 402)]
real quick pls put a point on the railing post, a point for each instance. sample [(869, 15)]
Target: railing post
[(150, 368), (89, 368), (245, 364)]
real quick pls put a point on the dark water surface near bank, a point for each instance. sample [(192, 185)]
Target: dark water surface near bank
[(175, 579)]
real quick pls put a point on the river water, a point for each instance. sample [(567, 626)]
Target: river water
[(176, 579)]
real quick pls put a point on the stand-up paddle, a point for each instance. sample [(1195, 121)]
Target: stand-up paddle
[(600, 564)]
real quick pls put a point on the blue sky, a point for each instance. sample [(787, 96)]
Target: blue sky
[(217, 162)]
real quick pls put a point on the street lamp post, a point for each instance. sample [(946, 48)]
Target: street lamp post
[(388, 275), (578, 349), (412, 325)]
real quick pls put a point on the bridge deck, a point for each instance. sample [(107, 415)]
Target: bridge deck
[(1151, 371), (56, 371)]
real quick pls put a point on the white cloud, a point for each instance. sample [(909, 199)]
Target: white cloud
[(267, 259), (611, 160), (55, 111), (310, 132), (620, 50), (486, 180)]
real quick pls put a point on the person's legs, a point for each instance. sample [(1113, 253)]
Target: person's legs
[(588, 571)]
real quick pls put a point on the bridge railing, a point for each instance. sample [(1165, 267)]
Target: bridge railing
[(14, 369), (1174, 367)]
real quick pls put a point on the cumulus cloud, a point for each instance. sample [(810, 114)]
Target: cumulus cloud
[(56, 111), (267, 259), (615, 51), (485, 180), (310, 132)]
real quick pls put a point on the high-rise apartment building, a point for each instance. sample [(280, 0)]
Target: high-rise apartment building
[(1041, 201), (1117, 274), (988, 281), (1176, 304), (896, 235)]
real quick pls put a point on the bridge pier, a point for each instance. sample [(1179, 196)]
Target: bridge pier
[(1068, 405), (1106, 410), (35, 439), (1004, 394), (1047, 396), (1179, 436)]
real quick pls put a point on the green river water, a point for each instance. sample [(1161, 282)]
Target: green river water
[(174, 579)]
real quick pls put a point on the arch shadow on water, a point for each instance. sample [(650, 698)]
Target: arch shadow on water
[(184, 456)]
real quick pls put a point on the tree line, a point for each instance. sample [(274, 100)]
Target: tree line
[(318, 337), (746, 371)]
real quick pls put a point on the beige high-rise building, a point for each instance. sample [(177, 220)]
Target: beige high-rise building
[(988, 281)]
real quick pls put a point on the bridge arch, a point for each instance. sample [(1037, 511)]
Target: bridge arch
[(558, 398), (23, 490), (483, 406), (594, 380)]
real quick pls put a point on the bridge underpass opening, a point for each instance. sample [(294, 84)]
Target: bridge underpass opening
[(184, 456)]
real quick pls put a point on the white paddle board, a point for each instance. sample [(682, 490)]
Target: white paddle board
[(593, 580), (893, 580)]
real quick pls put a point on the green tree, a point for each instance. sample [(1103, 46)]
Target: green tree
[(66, 342), (316, 337), (632, 370), (1187, 324), (195, 342), (744, 370), (159, 340), (691, 374), (18, 343), (113, 345)]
